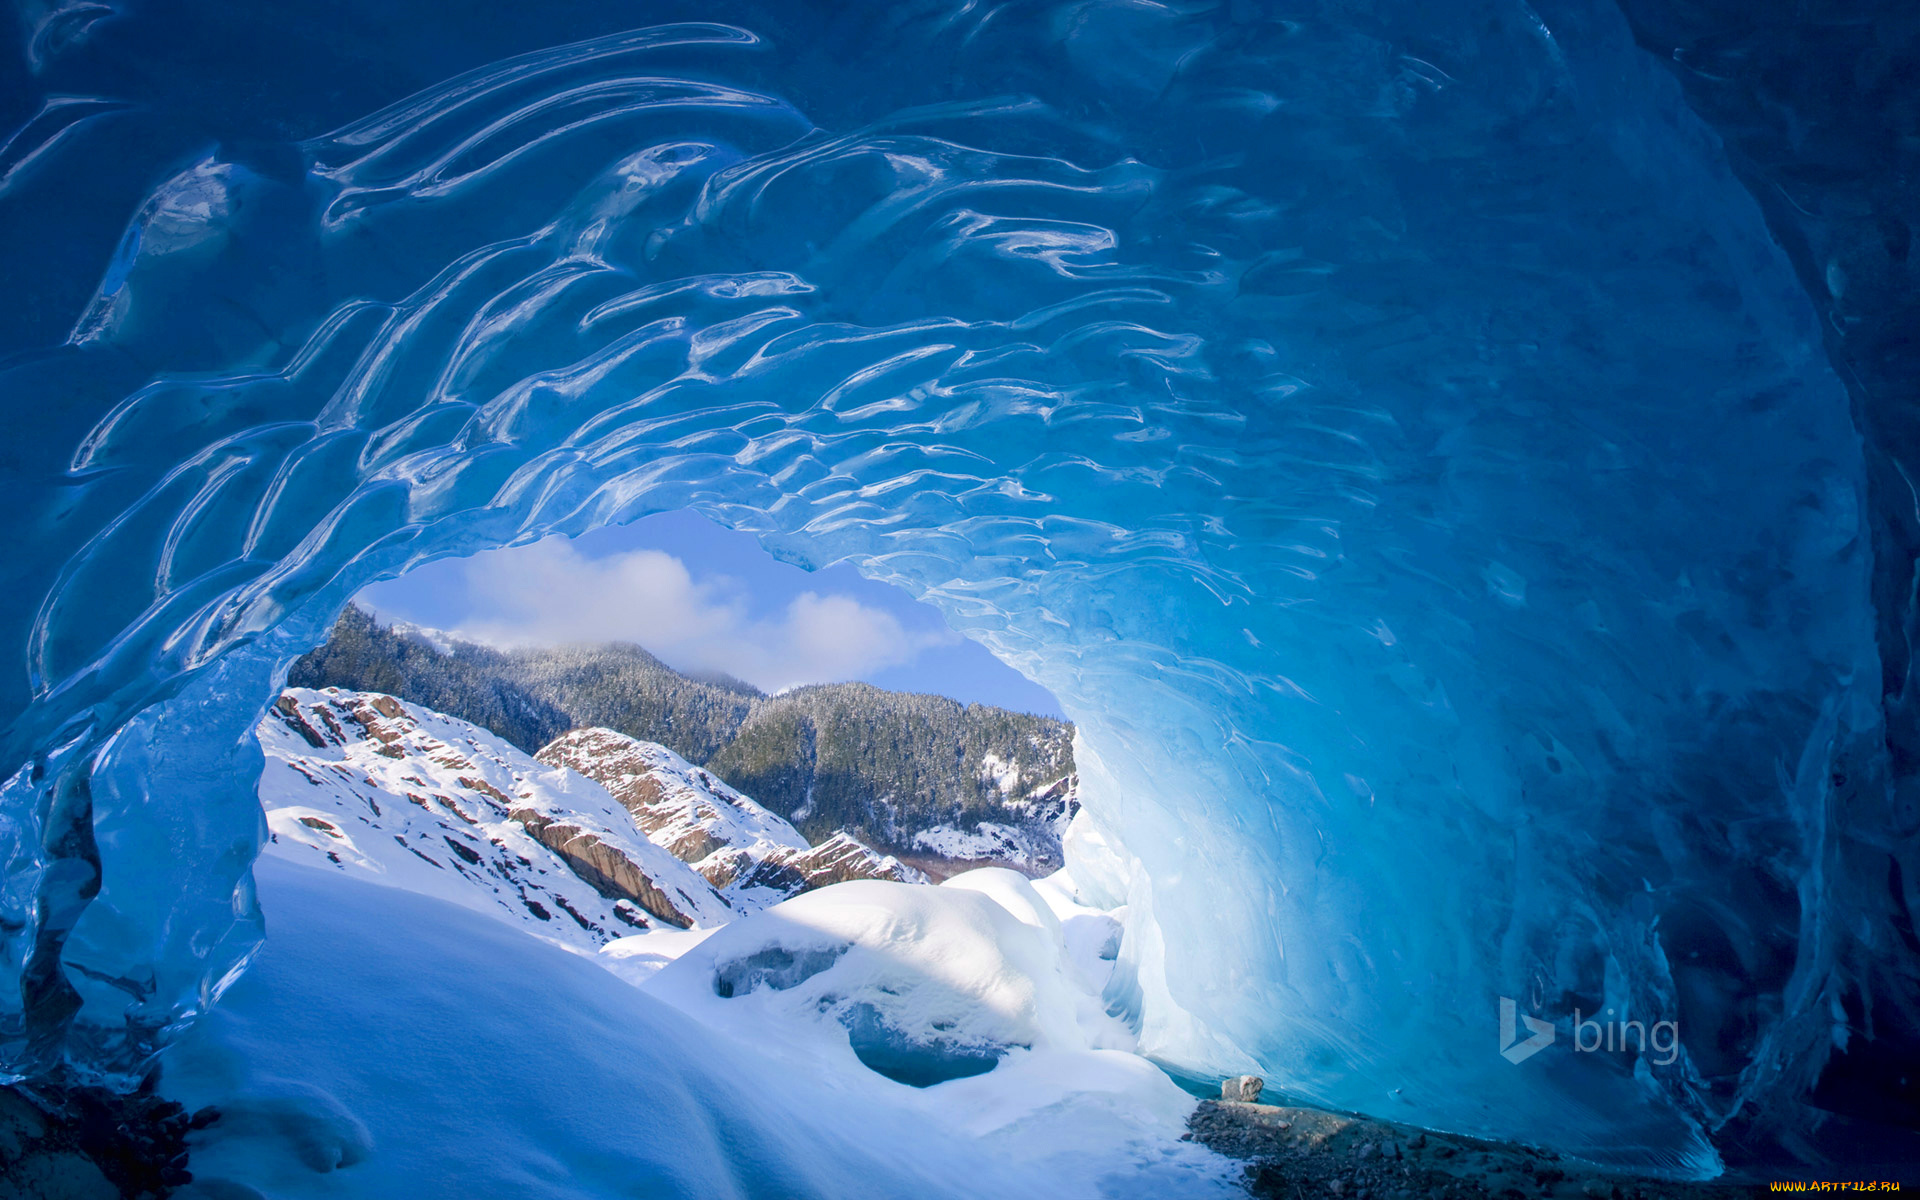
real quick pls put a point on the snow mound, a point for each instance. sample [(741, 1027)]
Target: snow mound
[(1011, 891), (443, 1056), (923, 985)]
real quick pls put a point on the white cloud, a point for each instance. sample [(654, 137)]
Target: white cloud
[(549, 593)]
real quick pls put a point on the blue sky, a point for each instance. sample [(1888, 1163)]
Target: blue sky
[(705, 598)]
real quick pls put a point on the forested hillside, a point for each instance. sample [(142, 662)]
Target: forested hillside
[(850, 755)]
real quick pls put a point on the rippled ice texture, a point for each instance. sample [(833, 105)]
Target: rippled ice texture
[(1385, 426)]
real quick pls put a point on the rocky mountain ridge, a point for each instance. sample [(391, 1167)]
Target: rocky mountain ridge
[(420, 800), (729, 839), (931, 780)]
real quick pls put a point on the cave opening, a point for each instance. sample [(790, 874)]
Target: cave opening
[(840, 703)]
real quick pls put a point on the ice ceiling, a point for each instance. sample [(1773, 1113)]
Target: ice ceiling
[(1388, 428)]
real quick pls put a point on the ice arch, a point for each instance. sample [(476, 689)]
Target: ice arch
[(1387, 429)]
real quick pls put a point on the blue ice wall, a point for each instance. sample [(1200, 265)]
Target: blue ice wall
[(1821, 120), (1387, 427)]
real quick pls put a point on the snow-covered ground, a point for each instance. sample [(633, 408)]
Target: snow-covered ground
[(407, 1032), (989, 840), (977, 984)]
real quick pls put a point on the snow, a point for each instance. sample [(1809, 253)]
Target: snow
[(1011, 891), (438, 640), (639, 957), (722, 833), (987, 840), (928, 981), (440, 1054), (981, 962), (1092, 935), (394, 1044), (412, 1028), (1002, 774), (1044, 815)]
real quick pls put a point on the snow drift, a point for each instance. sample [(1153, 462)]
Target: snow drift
[(925, 984), (394, 1044)]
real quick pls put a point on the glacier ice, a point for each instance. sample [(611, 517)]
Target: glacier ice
[(1387, 427)]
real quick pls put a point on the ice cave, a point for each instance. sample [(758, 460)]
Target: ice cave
[(1453, 461)]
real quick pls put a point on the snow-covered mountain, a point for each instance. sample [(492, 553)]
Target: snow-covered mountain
[(424, 802), (942, 784), (598, 837), (726, 836)]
